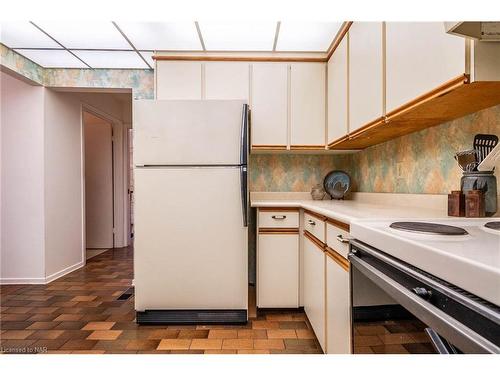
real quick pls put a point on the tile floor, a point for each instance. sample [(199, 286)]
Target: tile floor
[(80, 313)]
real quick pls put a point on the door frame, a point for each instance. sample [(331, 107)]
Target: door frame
[(120, 179)]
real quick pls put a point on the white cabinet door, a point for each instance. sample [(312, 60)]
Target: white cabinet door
[(278, 271), (337, 92), (314, 289), (338, 308), (227, 80), (178, 80), (307, 104), (366, 76), (420, 56), (269, 104)]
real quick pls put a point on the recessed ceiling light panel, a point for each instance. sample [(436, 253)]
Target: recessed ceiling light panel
[(238, 36), (157, 36), (85, 34), (306, 36), (23, 34), (52, 58), (112, 59)]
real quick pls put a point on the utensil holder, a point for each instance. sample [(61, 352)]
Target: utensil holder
[(487, 183)]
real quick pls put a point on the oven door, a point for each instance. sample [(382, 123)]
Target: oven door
[(399, 306)]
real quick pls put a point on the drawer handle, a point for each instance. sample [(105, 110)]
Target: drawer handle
[(279, 217), (311, 222), (340, 238)]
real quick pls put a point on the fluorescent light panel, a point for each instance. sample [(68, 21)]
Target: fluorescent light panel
[(23, 34), (112, 59), (52, 58), (85, 34), (162, 35), (238, 36), (306, 36)]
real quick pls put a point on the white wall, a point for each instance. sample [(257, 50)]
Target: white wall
[(63, 184), (22, 187), (42, 233)]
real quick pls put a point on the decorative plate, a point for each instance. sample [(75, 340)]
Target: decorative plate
[(337, 184)]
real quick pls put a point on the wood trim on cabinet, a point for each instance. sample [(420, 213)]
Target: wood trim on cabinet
[(338, 224), (454, 99), (268, 147), (278, 230), (314, 240), (317, 216), (338, 38), (337, 258), (338, 141), (438, 91), (280, 209), (307, 147), (241, 58)]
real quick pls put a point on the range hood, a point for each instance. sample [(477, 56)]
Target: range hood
[(483, 31)]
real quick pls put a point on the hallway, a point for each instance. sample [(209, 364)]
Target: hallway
[(81, 313)]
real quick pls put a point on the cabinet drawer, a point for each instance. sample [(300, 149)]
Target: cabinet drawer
[(282, 218), (315, 224), (278, 271), (336, 237)]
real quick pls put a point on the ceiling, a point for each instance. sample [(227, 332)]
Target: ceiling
[(130, 45)]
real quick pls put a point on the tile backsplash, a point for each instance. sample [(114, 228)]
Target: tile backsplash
[(420, 163)]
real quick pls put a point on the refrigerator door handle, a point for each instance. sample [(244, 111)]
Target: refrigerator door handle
[(244, 194), (244, 135)]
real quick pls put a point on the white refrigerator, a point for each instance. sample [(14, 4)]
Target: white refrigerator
[(191, 209)]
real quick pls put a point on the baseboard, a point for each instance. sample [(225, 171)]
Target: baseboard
[(63, 272), (41, 280), (22, 280)]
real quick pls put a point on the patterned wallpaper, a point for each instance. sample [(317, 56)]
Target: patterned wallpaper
[(426, 157), (425, 160), (141, 81), (285, 172)]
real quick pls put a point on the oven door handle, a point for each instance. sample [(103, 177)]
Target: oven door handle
[(459, 334), (440, 345)]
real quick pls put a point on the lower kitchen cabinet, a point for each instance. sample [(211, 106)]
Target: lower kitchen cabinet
[(278, 270), (314, 287), (338, 304)]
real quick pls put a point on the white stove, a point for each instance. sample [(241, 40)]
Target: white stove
[(469, 260)]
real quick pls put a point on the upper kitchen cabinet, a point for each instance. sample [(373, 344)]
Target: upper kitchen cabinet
[(227, 80), (337, 92), (269, 105), (178, 80), (420, 57), (307, 106), (366, 74)]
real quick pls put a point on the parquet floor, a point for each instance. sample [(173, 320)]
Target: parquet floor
[(80, 313)]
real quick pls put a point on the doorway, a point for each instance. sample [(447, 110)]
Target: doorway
[(99, 184)]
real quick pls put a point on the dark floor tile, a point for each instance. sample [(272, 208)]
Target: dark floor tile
[(111, 345), (419, 348), (301, 344), (50, 344), (142, 344), (14, 325), (79, 344), (75, 334), (193, 334), (293, 325), (70, 325)]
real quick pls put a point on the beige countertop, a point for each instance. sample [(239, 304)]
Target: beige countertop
[(362, 206)]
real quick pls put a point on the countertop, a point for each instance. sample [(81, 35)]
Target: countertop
[(349, 210)]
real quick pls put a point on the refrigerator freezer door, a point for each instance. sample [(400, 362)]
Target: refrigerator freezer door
[(186, 132), (190, 243)]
